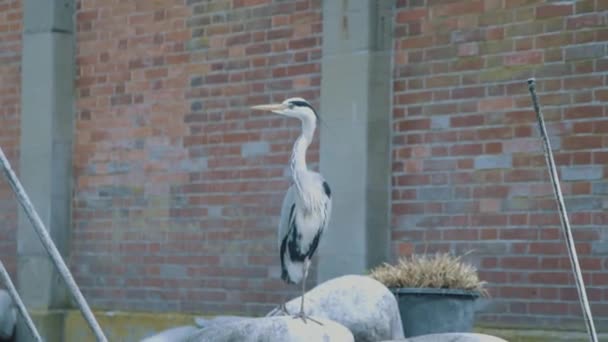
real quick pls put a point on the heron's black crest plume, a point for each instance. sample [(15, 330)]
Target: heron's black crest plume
[(305, 104)]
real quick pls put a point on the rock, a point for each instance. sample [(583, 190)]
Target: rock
[(279, 328), (202, 322), (452, 337), (172, 335), (361, 304), (8, 316)]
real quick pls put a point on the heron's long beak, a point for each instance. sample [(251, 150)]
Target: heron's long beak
[(275, 107)]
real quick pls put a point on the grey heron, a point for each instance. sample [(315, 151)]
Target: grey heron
[(306, 206)]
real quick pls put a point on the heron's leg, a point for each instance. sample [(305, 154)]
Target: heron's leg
[(302, 315), (280, 310), (283, 308), (306, 265)]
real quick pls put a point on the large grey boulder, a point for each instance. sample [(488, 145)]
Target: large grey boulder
[(8, 316), (279, 328), (452, 337), (362, 304), (202, 322), (172, 335)]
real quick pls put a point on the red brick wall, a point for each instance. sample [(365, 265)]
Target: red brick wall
[(10, 89), (468, 167), (177, 184)]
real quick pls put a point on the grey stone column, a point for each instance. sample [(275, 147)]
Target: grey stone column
[(47, 121), (355, 139)]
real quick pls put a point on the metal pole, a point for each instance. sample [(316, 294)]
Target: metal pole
[(6, 279), (580, 284), (48, 244)]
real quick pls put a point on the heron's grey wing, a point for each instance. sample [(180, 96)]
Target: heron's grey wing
[(328, 208), (288, 201)]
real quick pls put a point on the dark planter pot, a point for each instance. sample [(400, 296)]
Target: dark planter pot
[(430, 311)]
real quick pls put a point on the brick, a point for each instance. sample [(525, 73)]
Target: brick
[(494, 33), (463, 36), (459, 93), (524, 44), (444, 52), (434, 193), (585, 52), (404, 16), (574, 173), (527, 57), (485, 162), (458, 8), (469, 63), (496, 47), (524, 29), (589, 20), (554, 39), (581, 142), (468, 49), (490, 205), (582, 82), (438, 165), (468, 149), (583, 203), (253, 149), (522, 145), (493, 104), (440, 122), (469, 120), (553, 10)]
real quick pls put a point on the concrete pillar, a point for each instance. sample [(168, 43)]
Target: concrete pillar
[(47, 120), (355, 139)]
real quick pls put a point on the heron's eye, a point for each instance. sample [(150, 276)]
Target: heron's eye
[(290, 106)]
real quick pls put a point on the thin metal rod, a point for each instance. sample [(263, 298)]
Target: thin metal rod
[(6, 279), (576, 268), (48, 244)]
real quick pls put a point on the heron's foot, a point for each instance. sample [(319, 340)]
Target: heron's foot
[(301, 315)]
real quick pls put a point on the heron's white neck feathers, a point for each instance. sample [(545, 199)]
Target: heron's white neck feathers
[(299, 171)]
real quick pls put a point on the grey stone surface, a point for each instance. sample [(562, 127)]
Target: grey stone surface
[(588, 172), (363, 305), (583, 203), (355, 110), (485, 162), (255, 148), (281, 328), (172, 335), (599, 247), (202, 322), (45, 165), (582, 52), (452, 337), (434, 193), (600, 188), (8, 315), (440, 122), (48, 16)]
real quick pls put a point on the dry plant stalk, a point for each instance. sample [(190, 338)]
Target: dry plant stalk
[(442, 270)]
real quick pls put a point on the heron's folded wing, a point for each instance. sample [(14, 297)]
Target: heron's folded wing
[(288, 201)]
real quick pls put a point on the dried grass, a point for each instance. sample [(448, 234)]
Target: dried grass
[(441, 270)]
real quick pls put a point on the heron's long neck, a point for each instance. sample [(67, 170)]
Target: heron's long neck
[(298, 155)]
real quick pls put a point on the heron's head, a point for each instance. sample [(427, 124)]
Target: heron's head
[(294, 107)]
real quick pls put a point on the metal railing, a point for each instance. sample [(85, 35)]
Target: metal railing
[(50, 247), (6, 279), (576, 268)]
